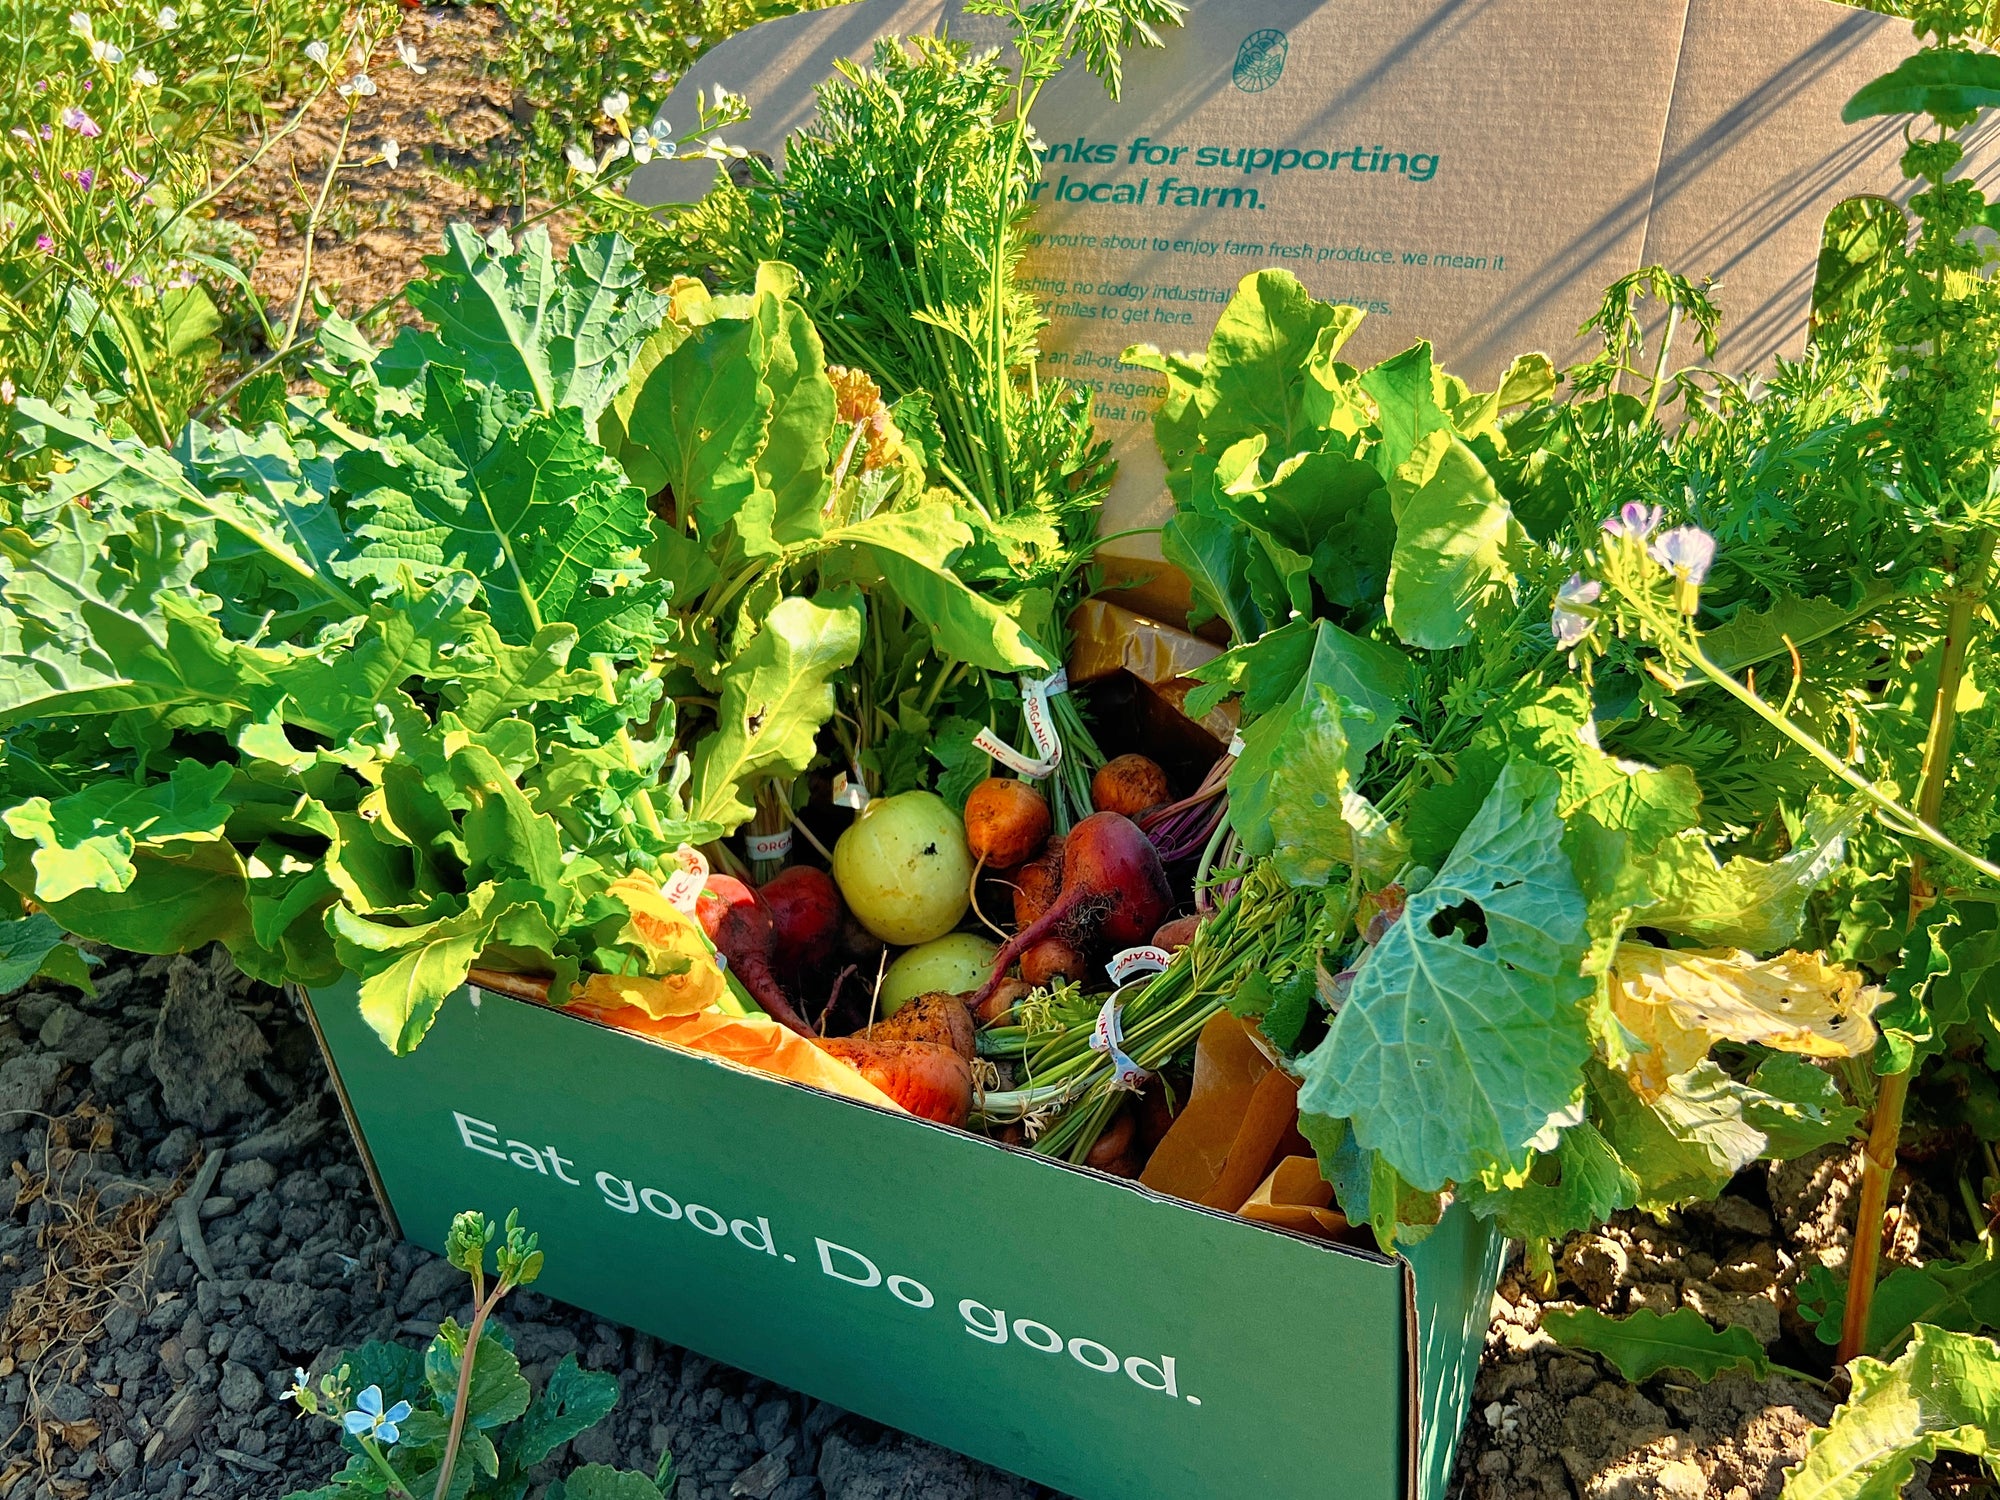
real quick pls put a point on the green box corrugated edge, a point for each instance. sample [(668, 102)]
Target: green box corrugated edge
[(1066, 1326)]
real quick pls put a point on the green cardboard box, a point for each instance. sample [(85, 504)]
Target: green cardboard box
[(1073, 1328)]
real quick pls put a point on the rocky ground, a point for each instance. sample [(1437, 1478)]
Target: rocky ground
[(184, 1220)]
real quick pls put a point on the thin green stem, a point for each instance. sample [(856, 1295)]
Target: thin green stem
[(457, 1433), (1902, 818)]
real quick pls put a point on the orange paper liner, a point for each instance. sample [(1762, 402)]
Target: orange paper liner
[(751, 1042)]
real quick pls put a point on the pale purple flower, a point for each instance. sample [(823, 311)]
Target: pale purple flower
[(86, 179), (110, 265), (1688, 550), (75, 119), (137, 179), (44, 244), (1568, 625), (1634, 520)]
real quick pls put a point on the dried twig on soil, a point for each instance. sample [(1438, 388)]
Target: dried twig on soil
[(93, 1257)]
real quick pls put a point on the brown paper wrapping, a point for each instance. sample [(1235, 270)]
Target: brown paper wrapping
[(1296, 1197), (1108, 638), (1242, 1114)]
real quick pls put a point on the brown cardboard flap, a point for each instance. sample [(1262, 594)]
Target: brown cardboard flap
[(1474, 174)]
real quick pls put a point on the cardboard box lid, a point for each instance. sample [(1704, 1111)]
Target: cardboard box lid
[(1531, 152)]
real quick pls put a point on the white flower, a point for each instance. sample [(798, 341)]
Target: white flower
[(6, 391), (616, 105), (578, 158), (392, 153), (170, 19), (642, 145), (407, 54), (107, 52), (663, 133), (79, 22), (359, 86), (1569, 625), (317, 51), (617, 151), (1688, 550), (145, 77)]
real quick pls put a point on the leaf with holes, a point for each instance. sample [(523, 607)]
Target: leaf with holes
[(1462, 1041)]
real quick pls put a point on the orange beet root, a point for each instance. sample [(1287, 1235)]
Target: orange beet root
[(1006, 822), (1131, 784), (930, 1081)]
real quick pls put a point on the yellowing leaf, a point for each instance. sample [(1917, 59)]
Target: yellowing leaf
[(1681, 1002), (682, 976)]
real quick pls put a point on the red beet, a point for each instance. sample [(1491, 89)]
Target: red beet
[(740, 926), (1114, 893), (1177, 934), (805, 905)]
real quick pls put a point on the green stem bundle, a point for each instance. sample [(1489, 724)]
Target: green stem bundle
[(1267, 927)]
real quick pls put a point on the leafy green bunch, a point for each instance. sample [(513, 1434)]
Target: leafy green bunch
[(904, 207), (1389, 549), (407, 1417), (388, 683)]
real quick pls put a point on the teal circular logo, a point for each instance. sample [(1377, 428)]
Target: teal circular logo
[(1260, 61)]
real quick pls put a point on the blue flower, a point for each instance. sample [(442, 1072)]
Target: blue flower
[(1688, 550), (1570, 626), (369, 1420)]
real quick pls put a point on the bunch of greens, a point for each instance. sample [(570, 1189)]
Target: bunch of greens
[(903, 207), (1258, 955), (1531, 921), (412, 677)]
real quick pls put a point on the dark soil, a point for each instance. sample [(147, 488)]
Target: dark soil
[(185, 1220)]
